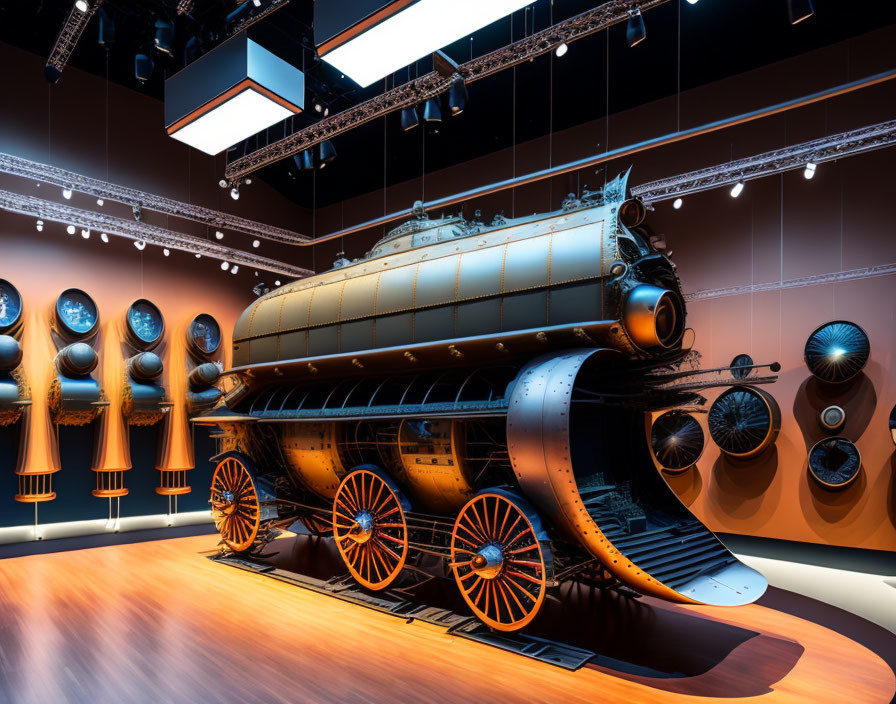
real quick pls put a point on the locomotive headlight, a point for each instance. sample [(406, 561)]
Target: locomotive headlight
[(653, 316)]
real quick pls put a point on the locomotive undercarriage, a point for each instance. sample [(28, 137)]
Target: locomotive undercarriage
[(454, 475)]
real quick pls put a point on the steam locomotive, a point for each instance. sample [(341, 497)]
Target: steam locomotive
[(473, 398)]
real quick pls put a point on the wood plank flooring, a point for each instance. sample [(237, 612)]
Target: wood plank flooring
[(157, 622)]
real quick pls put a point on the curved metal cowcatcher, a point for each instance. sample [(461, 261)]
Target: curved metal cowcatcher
[(743, 421), (837, 351), (677, 440)]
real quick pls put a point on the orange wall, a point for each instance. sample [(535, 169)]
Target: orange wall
[(66, 125)]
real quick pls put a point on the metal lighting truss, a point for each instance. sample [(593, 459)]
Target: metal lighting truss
[(70, 34), (432, 84), (17, 166), (252, 19), (185, 7), (817, 151), (134, 230)]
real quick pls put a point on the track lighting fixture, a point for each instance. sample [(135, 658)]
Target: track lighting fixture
[(327, 152), (143, 66), (166, 252), (164, 38), (106, 33), (225, 266), (677, 203), (219, 235), (457, 96), (67, 193), (277, 282), (409, 119), (432, 112), (737, 189), (235, 193), (234, 269), (40, 225), (104, 237), (85, 234), (198, 255), (140, 244), (562, 49), (256, 244), (81, 5), (70, 229), (635, 31), (223, 183), (100, 201), (809, 171), (799, 10)]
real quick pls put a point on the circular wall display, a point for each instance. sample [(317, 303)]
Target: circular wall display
[(10, 306), (832, 418), (741, 366), (76, 314), (677, 440), (743, 421), (834, 462), (837, 351), (204, 335), (145, 324)]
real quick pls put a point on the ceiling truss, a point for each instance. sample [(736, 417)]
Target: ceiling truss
[(138, 231), (796, 156), (432, 84), (45, 173), (70, 34)]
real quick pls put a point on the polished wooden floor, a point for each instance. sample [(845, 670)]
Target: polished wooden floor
[(157, 622)]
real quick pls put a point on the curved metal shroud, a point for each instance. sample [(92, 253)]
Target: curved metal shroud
[(587, 468)]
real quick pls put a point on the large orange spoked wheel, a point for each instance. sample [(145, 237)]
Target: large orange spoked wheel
[(236, 508), (501, 559), (370, 528)]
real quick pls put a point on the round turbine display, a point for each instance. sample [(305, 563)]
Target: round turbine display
[(837, 351), (204, 335), (76, 314), (145, 324), (743, 421), (10, 306), (677, 440), (741, 366), (834, 462)]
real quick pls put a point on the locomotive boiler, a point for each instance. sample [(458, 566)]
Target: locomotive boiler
[(471, 398)]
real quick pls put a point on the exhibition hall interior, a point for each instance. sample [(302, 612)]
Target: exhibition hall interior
[(447, 350)]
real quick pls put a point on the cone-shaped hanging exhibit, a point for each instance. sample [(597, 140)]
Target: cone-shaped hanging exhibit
[(409, 119), (432, 112), (635, 31), (175, 454), (111, 445), (457, 96), (38, 455), (327, 152)]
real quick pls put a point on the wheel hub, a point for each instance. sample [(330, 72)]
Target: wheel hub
[(362, 529), (228, 502), (487, 563)]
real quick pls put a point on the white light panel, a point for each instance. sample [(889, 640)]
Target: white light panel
[(232, 121), (412, 33)]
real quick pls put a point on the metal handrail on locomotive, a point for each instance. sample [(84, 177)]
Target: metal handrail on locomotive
[(470, 400)]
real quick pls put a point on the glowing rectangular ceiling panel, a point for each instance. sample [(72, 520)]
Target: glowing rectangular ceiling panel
[(229, 94), (397, 33)]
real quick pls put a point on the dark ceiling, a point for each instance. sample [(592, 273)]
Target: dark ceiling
[(718, 38)]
